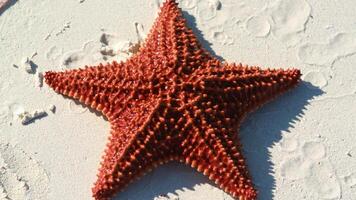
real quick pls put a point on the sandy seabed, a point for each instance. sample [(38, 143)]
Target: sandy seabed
[(301, 146)]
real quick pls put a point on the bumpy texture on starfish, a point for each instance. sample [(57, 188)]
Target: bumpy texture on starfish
[(173, 101)]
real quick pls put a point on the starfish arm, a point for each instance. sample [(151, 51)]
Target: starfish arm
[(104, 87), (212, 146), (224, 167), (170, 44), (131, 156), (251, 86)]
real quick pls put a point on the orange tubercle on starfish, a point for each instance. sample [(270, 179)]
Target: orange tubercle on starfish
[(173, 101)]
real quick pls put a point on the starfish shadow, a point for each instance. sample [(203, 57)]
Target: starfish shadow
[(262, 130), (192, 24), (173, 177), (8, 5), (165, 179)]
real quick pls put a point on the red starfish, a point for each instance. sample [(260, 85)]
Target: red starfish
[(173, 101)]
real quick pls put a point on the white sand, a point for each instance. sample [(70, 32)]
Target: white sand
[(301, 146)]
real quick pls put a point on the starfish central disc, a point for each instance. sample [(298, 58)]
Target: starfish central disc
[(173, 101)]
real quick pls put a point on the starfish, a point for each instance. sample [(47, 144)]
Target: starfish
[(172, 100)]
